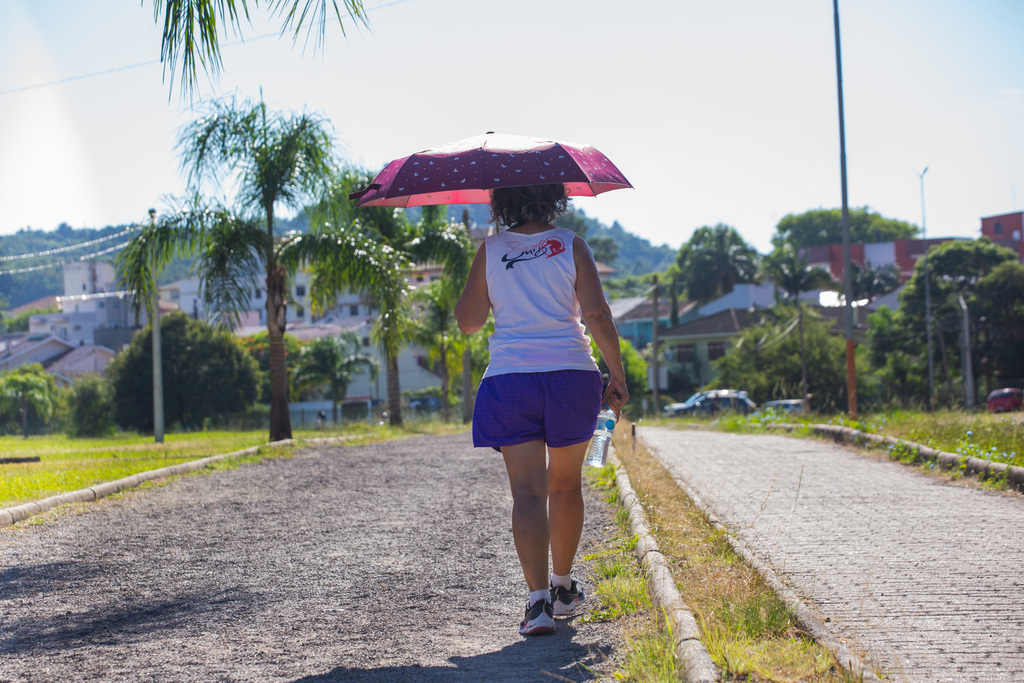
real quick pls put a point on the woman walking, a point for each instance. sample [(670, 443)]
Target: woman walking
[(541, 393)]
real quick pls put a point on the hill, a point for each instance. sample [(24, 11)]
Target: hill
[(23, 280)]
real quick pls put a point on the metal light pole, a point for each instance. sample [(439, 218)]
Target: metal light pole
[(158, 374), (927, 301), (968, 366), (851, 371)]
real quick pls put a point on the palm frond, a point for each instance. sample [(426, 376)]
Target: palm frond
[(229, 266)]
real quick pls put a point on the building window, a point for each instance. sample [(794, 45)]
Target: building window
[(300, 312), (300, 290), (685, 353), (83, 286), (366, 341), (353, 310), (175, 295), (101, 304), (716, 350), (998, 229), (258, 293)]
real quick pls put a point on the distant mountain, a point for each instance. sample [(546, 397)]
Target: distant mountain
[(42, 274), (637, 256)]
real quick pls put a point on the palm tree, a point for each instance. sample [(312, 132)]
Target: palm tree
[(279, 160), (337, 222), (436, 330), (190, 28), (333, 361), (714, 260), (787, 268)]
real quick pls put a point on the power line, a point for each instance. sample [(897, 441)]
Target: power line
[(151, 62), (71, 247), (32, 269)]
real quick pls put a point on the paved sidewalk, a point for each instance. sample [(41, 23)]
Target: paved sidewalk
[(390, 561), (925, 576)]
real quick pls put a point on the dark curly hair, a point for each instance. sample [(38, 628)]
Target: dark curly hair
[(514, 206)]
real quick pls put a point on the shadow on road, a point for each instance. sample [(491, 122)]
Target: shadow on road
[(556, 657)]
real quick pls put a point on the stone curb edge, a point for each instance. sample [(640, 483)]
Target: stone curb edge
[(808, 619), (9, 516), (696, 663), (978, 466)]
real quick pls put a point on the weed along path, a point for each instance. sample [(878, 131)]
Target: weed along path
[(383, 562), (924, 576)]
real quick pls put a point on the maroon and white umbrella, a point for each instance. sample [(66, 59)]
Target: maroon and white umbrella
[(465, 172)]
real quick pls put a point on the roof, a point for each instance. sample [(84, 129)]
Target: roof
[(644, 310), (37, 305), (725, 323), (83, 358)]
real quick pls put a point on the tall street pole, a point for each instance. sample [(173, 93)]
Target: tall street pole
[(654, 346), (158, 373), (927, 302), (851, 372)]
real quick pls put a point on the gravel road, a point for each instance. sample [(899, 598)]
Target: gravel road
[(925, 575), (387, 562)]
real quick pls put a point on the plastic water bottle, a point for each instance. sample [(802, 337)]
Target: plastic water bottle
[(597, 453)]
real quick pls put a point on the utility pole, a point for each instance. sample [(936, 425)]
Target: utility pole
[(851, 370), (968, 367), (158, 373), (654, 348), (927, 302)]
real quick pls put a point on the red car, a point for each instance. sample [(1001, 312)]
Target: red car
[(1005, 400)]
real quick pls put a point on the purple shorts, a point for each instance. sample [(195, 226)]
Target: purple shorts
[(559, 408)]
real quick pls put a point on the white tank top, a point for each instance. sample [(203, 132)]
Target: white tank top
[(531, 281)]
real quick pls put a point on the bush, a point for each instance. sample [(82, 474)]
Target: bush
[(91, 407)]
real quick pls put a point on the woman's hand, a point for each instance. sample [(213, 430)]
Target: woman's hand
[(616, 394)]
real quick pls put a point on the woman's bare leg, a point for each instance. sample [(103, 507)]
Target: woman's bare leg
[(528, 478), (565, 504)]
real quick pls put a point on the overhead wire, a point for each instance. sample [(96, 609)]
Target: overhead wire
[(58, 264), (70, 247)]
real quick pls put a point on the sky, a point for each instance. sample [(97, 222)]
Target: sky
[(717, 112)]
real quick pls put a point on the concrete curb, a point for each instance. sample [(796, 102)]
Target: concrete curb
[(808, 619), (696, 663), (1013, 474), (9, 516)]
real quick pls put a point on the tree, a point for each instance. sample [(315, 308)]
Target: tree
[(258, 346), (895, 356), (870, 281), (334, 361), (92, 407), (825, 226), (277, 160), (714, 260), (765, 360), (787, 268), (207, 374), (955, 268), (190, 29), (998, 308), (632, 362), (370, 249), (25, 389)]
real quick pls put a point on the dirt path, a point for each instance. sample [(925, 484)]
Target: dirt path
[(925, 575), (392, 561)]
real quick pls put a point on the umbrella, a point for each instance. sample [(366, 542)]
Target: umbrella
[(465, 172)]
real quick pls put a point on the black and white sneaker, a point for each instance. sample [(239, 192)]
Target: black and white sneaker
[(566, 599), (538, 620)]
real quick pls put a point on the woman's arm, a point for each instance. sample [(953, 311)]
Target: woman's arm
[(597, 316), (474, 305)]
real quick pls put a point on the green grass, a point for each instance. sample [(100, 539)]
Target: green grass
[(746, 628), (999, 438)]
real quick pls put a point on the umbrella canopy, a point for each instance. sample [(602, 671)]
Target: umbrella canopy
[(465, 172)]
